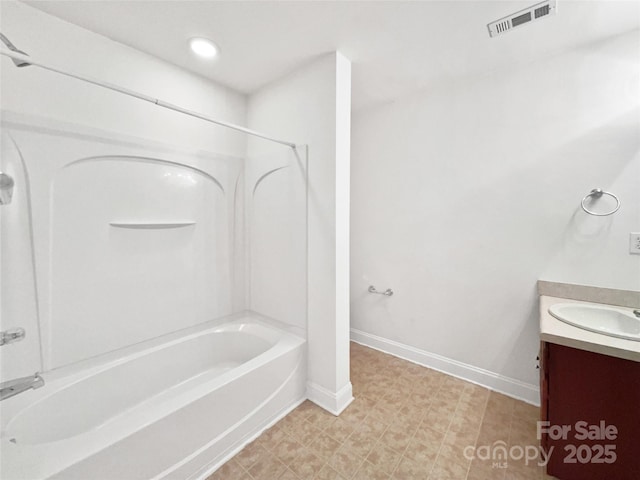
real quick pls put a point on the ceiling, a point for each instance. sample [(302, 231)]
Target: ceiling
[(397, 47)]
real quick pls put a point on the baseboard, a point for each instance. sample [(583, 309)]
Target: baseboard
[(332, 402), (514, 388)]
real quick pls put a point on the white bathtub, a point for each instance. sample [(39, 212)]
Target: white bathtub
[(174, 408)]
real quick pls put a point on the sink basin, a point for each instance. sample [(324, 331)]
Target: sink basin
[(611, 321)]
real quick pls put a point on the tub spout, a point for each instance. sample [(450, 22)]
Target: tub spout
[(11, 388)]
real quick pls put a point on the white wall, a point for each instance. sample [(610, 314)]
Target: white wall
[(464, 196), (51, 40), (312, 106)]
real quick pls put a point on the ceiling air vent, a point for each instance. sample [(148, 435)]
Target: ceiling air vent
[(528, 15)]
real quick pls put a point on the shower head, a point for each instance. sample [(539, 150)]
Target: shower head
[(12, 47)]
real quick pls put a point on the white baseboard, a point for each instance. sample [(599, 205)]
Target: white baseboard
[(332, 402), (514, 388)]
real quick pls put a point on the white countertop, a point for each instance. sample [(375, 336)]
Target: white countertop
[(555, 331)]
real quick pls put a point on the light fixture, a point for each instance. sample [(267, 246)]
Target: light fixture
[(203, 48)]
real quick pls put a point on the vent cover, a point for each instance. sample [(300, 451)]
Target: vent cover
[(528, 15)]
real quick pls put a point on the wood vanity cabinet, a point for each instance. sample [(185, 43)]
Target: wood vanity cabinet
[(581, 386)]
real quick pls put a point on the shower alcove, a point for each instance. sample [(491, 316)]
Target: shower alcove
[(164, 296)]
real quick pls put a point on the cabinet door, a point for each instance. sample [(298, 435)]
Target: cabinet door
[(601, 391)]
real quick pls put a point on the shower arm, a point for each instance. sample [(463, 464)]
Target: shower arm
[(21, 59)]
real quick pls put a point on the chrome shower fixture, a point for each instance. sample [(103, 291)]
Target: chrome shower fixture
[(6, 188), (15, 387)]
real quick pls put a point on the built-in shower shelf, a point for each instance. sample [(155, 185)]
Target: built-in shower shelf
[(151, 225)]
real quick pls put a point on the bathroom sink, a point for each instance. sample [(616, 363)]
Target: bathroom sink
[(611, 321)]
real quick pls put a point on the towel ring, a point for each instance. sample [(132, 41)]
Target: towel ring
[(597, 193)]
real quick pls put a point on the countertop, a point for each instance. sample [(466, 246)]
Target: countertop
[(555, 331)]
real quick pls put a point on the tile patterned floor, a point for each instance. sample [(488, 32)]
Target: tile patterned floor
[(406, 422)]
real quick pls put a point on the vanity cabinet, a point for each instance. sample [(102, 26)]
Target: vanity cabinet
[(590, 394)]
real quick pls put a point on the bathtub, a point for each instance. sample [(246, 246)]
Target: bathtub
[(176, 407)]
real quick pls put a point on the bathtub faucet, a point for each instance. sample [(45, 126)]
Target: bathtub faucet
[(13, 387)]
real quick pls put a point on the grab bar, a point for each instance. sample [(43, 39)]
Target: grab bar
[(597, 193), (388, 292)]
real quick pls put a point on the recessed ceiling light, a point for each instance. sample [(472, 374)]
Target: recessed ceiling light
[(203, 48)]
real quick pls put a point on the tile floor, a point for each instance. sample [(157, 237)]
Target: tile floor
[(406, 422)]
